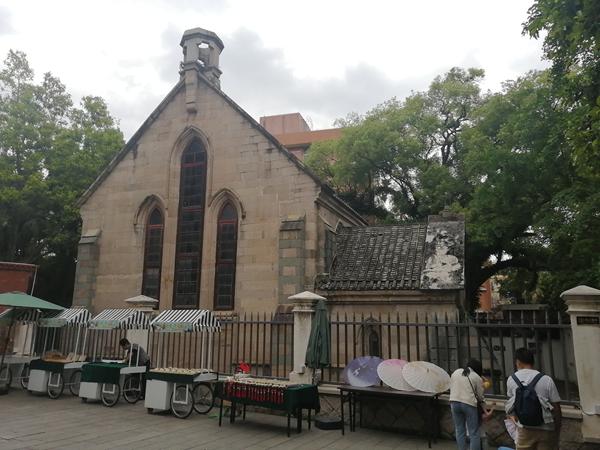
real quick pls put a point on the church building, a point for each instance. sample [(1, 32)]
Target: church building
[(204, 208)]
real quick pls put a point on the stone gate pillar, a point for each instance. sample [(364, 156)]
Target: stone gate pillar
[(584, 308), (303, 311)]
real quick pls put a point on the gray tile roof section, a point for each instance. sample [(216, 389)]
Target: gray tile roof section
[(417, 256)]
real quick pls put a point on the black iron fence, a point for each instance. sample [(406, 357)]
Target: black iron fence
[(449, 341), (263, 341)]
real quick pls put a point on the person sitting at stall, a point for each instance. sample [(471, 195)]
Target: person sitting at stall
[(138, 357), (134, 353)]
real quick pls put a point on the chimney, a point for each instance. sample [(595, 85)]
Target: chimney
[(201, 50)]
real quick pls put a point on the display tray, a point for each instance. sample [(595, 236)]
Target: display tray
[(181, 378), (304, 396), (99, 372), (48, 366)]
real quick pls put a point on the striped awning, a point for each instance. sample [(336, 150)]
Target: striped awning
[(22, 315), (73, 316), (186, 320), (126, 318)]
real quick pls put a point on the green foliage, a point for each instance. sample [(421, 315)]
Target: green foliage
[(503, 160), (403, 154), (50, 152), (572, 43)]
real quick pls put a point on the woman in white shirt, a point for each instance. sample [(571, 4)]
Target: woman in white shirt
[(466, 391)]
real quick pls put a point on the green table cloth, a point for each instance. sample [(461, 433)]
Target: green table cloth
[(48, 366), (172, 377), (100, 372), (299, 396)]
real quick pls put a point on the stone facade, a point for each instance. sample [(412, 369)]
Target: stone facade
[(245, 166), (398, 416)]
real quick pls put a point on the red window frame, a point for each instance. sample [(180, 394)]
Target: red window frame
[(225, 267), (153, 227), (190, 227)]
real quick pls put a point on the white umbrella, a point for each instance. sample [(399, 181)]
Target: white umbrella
[(390, 372), (427, 377)]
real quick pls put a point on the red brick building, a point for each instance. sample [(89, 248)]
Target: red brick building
[(17, 277)]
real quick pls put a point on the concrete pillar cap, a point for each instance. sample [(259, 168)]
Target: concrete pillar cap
[(305, 297), (581, 291), (141, 301)]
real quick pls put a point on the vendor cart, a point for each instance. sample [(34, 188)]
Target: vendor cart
[(183, 390), (26, 309), (54, 371), (16, 364), (105, 379)]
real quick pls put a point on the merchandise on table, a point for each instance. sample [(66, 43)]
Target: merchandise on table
[(183, 390), (181, 376), (108, 381), (180, 371)]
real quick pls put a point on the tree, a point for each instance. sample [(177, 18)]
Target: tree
[(517, 164), (404, 155), (502, 160), (50, 152), (572, 43)]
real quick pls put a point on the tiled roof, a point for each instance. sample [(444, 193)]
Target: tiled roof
[(377, 258)]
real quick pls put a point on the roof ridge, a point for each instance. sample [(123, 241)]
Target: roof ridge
[(130, 144)]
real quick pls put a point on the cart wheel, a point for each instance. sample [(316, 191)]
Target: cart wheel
[(5, 377), (204, 398), (110, 394), (24, 378), (182, 403), (131, 389), (56, 390), (75, 382)]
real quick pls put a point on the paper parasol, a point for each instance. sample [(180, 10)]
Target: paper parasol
[(427, 377), (390, 372), (362, 371)]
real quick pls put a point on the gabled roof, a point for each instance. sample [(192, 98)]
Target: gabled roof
[(415, 256), (133, 142), (381, 257)]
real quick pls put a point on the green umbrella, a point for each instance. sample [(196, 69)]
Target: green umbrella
[(19, 301), (319, 344)]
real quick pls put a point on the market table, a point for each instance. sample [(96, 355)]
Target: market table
[(292, 399), (183, 389), (48, 366), (49, 376), (352, 394), (98, 377), (178, 391), (101, 372)]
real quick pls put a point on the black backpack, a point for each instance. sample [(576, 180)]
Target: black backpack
[(528, 408)]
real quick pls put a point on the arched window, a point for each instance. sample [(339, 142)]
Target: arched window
[(225, 263), (188, 256), (153, 254)]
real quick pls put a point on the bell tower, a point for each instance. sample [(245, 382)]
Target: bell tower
[(201, 50)]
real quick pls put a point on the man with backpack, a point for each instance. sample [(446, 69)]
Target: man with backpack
[(534, 400)]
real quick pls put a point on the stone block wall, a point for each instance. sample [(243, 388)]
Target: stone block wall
[(396, 416), (265, 183), (88, 254), (291, 258)]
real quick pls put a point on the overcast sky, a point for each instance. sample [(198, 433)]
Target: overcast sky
[(322, 58)]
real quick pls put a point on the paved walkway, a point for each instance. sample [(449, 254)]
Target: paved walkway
[(35, 422)]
